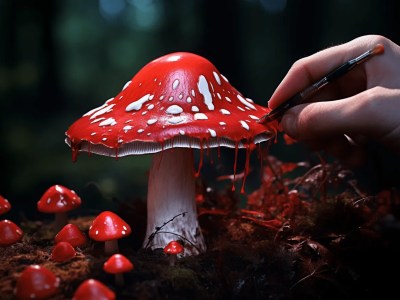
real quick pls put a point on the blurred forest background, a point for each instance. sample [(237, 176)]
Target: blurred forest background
[(59, 59)]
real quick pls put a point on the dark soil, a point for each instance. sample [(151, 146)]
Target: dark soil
[(316, 236)]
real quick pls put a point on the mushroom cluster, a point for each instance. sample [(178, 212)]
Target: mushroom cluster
[(174, 104)]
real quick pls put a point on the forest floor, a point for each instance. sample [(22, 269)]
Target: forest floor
[(316, 236)]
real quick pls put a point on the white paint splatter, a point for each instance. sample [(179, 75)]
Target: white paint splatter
[(107, 122), (175, 120), (217, 79), (212, 132), (136, 105), (175, 84), (174, 110), (151, 121), (104, 110), (225, 111), (195, 108), (127, 128), (245, 125), (150, 107), (188, 99), (202, 85), (245, 102), (200, 116)]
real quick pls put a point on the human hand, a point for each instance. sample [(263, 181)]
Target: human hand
[(363, 105)]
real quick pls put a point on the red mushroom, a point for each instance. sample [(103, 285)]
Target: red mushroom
[(5, 206), (178, 101), (10, 233), (58, 200), (92, 289), (72, 234), (108, 227), (62, 252), (118, 264), (36, 282), (172, 249)]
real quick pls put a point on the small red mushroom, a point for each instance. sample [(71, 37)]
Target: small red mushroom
[(174, 104), (108, 227), (72, 234), (118, 264), (58, 200), (62, 252), (36, 282), (10, 233), (172, 249), (92, 289), (5, 206)]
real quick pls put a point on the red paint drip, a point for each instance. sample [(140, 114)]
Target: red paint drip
[(200, 161), (249, 149), (235, 165)]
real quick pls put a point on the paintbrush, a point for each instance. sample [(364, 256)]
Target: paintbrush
[(305, 94)]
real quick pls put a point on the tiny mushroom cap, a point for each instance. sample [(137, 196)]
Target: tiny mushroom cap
[(5, 206), (108, 227), (92, 289), (59, 200), (63, 251), (173, 248), (10, 233), (36, 282), (178, 101), (117, 263), (72, 234)]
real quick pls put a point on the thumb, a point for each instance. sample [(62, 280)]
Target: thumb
[(355, 115)]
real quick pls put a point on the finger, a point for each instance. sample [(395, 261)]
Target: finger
[(308, 70)]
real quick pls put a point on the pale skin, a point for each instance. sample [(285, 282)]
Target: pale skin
[(364, 104)]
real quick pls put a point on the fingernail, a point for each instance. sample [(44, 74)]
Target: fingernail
[(290, 125)]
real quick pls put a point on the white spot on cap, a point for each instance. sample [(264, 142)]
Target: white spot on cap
[(222, 123), (193, 93), (151, 121), (59, 188), (227, 99), (241, 108), (126, 85), (174, 110), (175, 84), (127, 128), (150, 107), (188, 99), (181, 132), (94, 109), (244, 125), (217, 79), (245, 102), (219, 96), (203, 89), (175, 120), (104, 110), (224, 78), (200, 116), (109, 100), (151, 97), (212, 132), (170, 98), (136, 105), (93, 133), (104, 139), (173, 58), (140, 130), (195, 108), (162, 97), (109, 121), (97, 120), (224, 111), (180, 96), (253, 117)]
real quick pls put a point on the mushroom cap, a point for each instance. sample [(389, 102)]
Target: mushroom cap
[(62, 252), (5, 206), (92, 289), (72, 234), (173, 247), (58, 199), (117, 263), (108, 226), (36, 282), (177, 100), (10, 233)]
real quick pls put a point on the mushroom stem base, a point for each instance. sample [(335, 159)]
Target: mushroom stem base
[(171, 205)]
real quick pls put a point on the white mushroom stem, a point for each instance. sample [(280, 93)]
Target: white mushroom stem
[(171, 191)]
